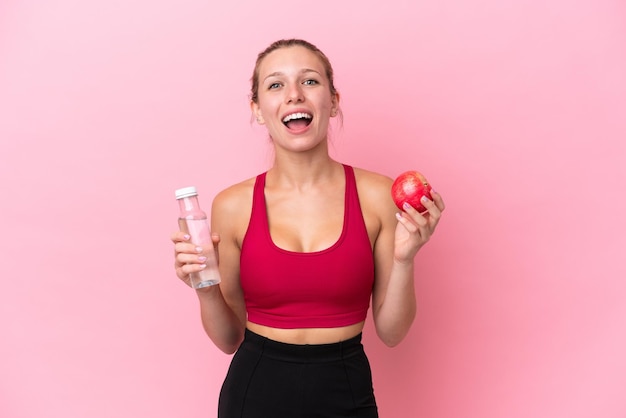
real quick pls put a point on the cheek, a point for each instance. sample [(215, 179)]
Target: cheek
[(269, 105), (327, 102)]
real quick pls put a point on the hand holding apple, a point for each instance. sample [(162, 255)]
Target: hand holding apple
[(409, 187)]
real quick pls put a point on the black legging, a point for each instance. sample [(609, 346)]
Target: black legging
[(270, 379)]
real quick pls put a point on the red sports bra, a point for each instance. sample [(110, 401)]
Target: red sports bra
[(323, 289)]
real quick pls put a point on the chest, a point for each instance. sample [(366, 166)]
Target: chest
[(306, 222)]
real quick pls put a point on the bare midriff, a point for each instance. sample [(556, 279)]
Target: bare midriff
[(307, 335)]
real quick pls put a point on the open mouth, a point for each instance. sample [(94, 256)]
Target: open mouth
[(297, 121)]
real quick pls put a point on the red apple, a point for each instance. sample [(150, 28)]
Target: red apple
[(409, 187)]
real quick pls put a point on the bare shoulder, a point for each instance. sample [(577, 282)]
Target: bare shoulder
[(234, 197), (231, 209), (373, 186), (377, 206)]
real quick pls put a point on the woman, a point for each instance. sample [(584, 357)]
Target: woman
[(303, 248)]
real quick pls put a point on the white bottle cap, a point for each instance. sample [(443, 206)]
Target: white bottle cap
[(186, 192)]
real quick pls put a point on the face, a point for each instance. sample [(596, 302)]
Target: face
[(294, 99)]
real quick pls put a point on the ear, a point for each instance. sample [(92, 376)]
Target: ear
[(334, 109), (256, 111)]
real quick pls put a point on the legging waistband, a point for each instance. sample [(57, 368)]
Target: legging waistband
[(309, 353)]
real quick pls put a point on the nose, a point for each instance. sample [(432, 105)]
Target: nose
[(294, 94)]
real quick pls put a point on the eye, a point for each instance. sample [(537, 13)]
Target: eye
[(273, 86), (310, 82)]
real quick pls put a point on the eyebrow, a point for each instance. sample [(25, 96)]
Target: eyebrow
[(303, 71)]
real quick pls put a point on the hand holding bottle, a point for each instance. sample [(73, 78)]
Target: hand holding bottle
[(189, 258), (196, 259)]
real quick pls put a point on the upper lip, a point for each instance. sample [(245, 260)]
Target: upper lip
[(296, 113)]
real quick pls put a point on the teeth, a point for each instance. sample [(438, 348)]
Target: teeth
[(296, 116)]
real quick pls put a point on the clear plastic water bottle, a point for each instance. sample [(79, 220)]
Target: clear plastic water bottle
[(193, 221)]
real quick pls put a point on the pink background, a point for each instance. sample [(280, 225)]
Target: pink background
[(515, 110)]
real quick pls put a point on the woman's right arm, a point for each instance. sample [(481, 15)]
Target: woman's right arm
[(222, 306)]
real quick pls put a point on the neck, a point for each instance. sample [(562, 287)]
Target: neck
[(303, 172)]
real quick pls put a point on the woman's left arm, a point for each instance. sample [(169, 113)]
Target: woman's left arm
[(400, 237)]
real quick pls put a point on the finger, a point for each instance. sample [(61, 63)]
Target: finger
[(187, 248), (433, 210), (187, 269), (438, 200), (179, 236), (215, 237), (430, 206), (410, 226), (420, 233), (185, 258), (414, 215)]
